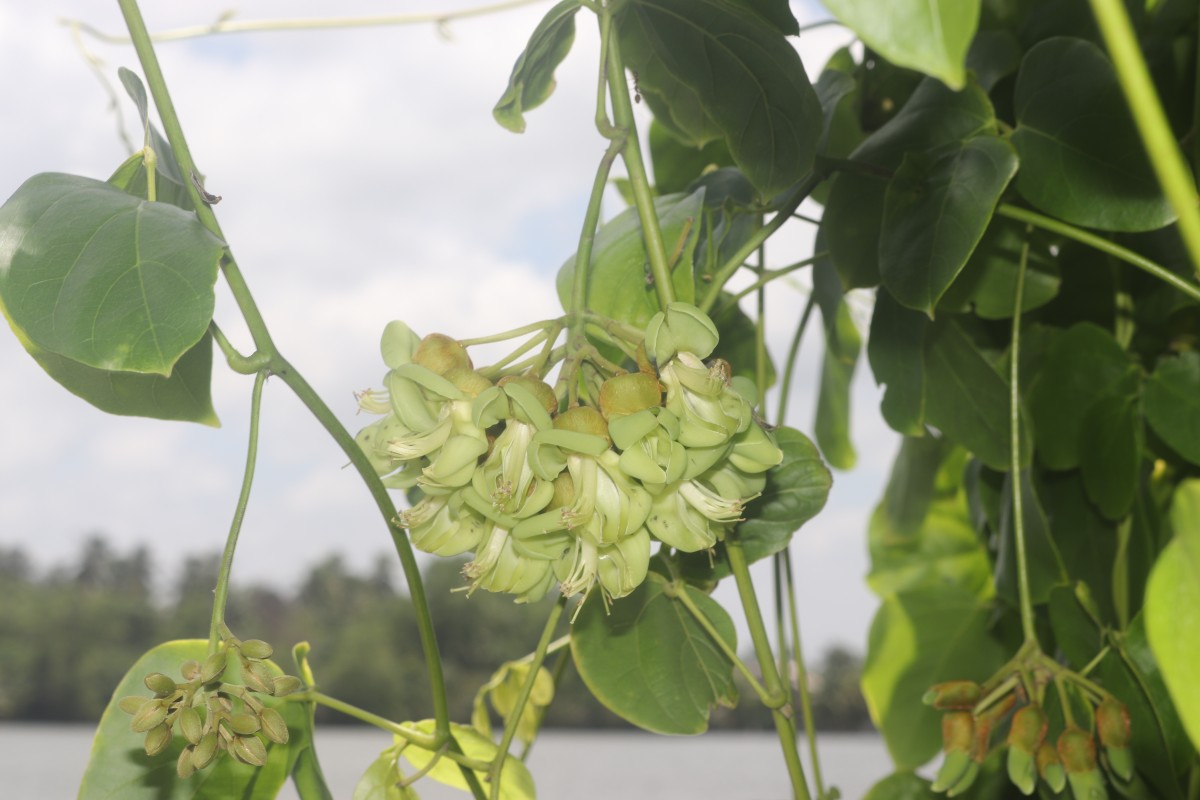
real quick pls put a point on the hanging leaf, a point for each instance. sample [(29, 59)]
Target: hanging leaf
[(119, 769), (932, 36), (382, 779), (896, 352), (1172, 402), (1081, 157), (1110, 454), (919, 638), (649, 661), (842, 345), (760, 103), (92, 274), (1172, 608), (532, 79), (617, 282), (131, 176), (937, 206)]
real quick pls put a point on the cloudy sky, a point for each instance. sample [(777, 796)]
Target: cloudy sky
[(364, 180)]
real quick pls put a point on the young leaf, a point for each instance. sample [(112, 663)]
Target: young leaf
[(97, 276), (649, 661), (1172, 402), (118, 768), (515, 781), (918, 638), (927, 35), (381, 780), (725, 74), (937, 206), (532, 79), (1081, 157)]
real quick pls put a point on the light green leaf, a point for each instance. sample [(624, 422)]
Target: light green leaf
[(967, 399), (515, 781), (1172, 402), (919, 638), (710, 70), (97, 276), (532, 79), (931, 36), (119, 769), (617, 285), (382, 778), (649, 661), (937, 206), (902, 786), (1172, 608), (933, 116), (1083, 364), (1081, 157), (896, 352), (185, 395)]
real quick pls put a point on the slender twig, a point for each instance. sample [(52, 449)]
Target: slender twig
[(226, 24), (504, 336), (1014, 441), (789, 364), (810, 728), (767, 276), (1165, 156), (221, 592)]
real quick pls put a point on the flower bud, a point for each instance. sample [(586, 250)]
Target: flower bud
[(249, 749), (185, 765), (133, 703), (206, 750), (681, 328), (190, 670), (214, 667), (582, 419), (190, 725), (159, 683), (157, 739), (273, 725), (953, 694), (256, 649), (398, 344), (149, 716), (258, 677), (244, 723), (1050, 768), (441, 354), (628, 394), (284, 685)]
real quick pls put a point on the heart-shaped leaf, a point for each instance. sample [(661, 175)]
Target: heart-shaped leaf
[(648, 660), (95, 275), (1172, 401)]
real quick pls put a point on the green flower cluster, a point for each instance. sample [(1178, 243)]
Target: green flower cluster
[(542, 494), (214, 715)]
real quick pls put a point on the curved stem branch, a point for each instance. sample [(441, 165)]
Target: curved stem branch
[(1014, 441)]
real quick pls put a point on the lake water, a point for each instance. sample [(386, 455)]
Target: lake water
[(45, 762)]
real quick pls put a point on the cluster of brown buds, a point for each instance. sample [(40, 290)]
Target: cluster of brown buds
[(213, 712), (1071, 759)]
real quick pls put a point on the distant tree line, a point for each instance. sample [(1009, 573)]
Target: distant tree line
[(69, 633)]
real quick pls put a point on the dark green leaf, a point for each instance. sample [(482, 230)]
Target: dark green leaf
[(1173, 608), (988, 283), (1081, 157), (896, 352), (617, 282), (1044, 564), (737, 343), (927, 35), (919, 638), (967, 399), (1083, 364), (777, 12), (1172, 402), (649, 660), (1086, 540), (1131, 672), (731, 217), (185, 395), (711, 71), (994, 55), (120, 770), (842, 345), (532, 79), (937, 206), (677, 165), (832, 88), (1110, 454), (97, 276), (933, 116), (1076, 634)]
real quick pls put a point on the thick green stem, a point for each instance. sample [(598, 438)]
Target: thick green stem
[(1101, 244), (587, 237), (221, 593), (1165, 156), (631, 154), (1014, 441), (514, 716), (766, 662)]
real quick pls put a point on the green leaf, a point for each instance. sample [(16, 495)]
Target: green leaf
[(937, 206), (1081, 157), (710, 71), (842, 345), (731, 216), (119, 769), (933, 116), (777, 12), (1130, 671), (309, 780), (919, 638), (649, 661), (185, 395), (896, 352), (737, 343), (131, 176), (932, 36), (1076, 634), (1172, 403), (1110, 454), (89, 273), (902, 786), (1082, 365), (1045, 567), (515, 781), (532, 78), (1172, 608), (1086, 541), (967, 399), (987, 285), (382, 778), (617, 285), (678, 164)]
